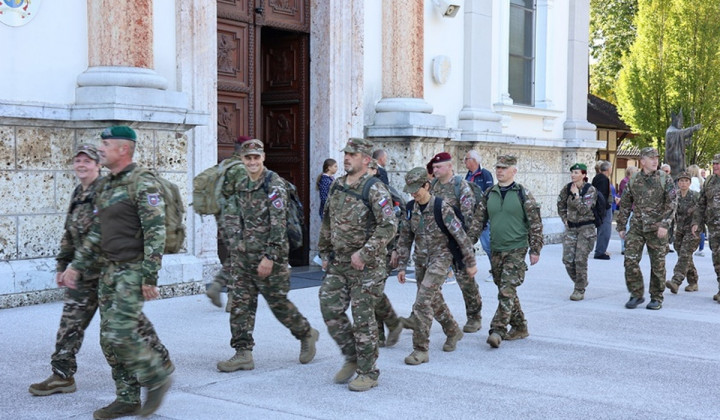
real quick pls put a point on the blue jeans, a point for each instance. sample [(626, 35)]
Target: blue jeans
[(603, 235), (485, 240)]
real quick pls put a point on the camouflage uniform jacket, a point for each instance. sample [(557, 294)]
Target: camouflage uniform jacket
[(350, 226), (576, 209), (430, 241), (465, 202), (263, 216), (685, 210), (653, 204), (708, 206), (77, 225), (126, 228), (229, 220), (530, 229)]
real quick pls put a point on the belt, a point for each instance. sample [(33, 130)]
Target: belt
[(577, 225)]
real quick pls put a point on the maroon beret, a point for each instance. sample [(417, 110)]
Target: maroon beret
[(430, 168), (441, 157), (242, 139)]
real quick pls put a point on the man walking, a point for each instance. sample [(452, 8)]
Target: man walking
[(380, 156), (263, 251), (515, 225), (651, 196), (483, 179), (708, 213), (353, 246), (601, 182)]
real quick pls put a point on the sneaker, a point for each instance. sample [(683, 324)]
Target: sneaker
[(451, 341), (517, 333), (242, 360), (672, 286), (450, 280), (577, 295), (155, 396), (602, 257), (307, 346), (53, 385), (410, 279), (116, 410), (700, 254), (346, 372), (691, 288), (362, 383), (213, 292), (654, 305), (394, 334), (489, 278), (417, 357), (634, 302), (671, 250), (494, 340), (472, 325)]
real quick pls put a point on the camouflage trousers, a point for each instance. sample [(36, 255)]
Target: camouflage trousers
[(635, 240), (429, 304), (345, 287), (274, 288), (78, 310), (385, 315), (577, 245), (508, 270), (470, 292), (685, 244), (127, 338), (714, 236), (228, 272)]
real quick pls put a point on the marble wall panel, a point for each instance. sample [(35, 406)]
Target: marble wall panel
[(145, 150), (7, 281), (27, 192), (171, 151), (88, 135), (7, 148), (44, 148), (8, 238), (65, 183), (39, 235), (34, 274)]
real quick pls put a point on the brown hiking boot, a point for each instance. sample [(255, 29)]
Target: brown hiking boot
[(213, 292), (155, 397), (362, 383), (307, 346), (417, 357), (242, 360), (394, 334), (53, 385), (494, 340), (517, 333), (116, 410), (672, 286), (691, 288), (577, 295), (472, 325), (346, 372), (451, 341)]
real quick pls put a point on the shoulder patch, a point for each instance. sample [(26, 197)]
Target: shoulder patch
[(384, 202), (153, 199), (456, 225), (388, 211), (278, 203)]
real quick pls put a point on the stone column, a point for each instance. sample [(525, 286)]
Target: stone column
[(577, 129)]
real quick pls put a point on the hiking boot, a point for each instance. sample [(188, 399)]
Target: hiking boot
[(517, 333), (394, 334), (408, 323), (691, 288), (381, 343), (417, 357), (672, 286), (634, 302), (155, 397), (654, 305), (717, 297), (451, 341), (169, 366), (362, 383), (53, 385), (472, 325), (307, 346), (494, 340), (346, 372), (213, 292), (242, 360), (117, 409), (577, 295)]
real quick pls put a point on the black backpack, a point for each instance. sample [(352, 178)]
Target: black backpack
[(295, 215), (398, 201), (452, 243), (600, 206)]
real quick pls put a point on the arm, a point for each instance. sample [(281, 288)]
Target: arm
[(562, 205), (152, 220), (670, 203), (626, 203), (453, 225), (535, 231), (277, 204), (381, 209)]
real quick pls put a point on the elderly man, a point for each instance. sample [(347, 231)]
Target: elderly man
[(484, 179), (601, 182), (380, 156)]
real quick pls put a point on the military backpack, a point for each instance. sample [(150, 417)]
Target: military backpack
[(295, 214), (453, 245), (207, 187)]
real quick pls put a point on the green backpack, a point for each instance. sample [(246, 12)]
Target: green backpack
[(295, 214), (207, 187)]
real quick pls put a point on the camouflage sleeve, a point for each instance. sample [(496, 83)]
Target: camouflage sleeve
[(535, 227), (562, 204), (626, 203), (670, 203), (404, 245), (382, 210), (67, 250), (454, 226), (277, 202), (151, 211), (324, 240), (467, 207), (87, 254), (700, 209)]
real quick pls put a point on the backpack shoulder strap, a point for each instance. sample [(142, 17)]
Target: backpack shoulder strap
[(437, 212), (569, 185), (585, 189), (266, 181), (409, 209), (366, 189)]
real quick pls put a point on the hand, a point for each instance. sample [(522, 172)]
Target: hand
[(356, 262), (69, 277), (534, 258), (621, 234), (265, 267), (662, 232), (401, 277), (694, 229), (573, 188), (324, 265), (471, 271), (394, 259), (150, 292), (58, 279)]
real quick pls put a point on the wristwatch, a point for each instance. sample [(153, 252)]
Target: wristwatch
[(269, 257)]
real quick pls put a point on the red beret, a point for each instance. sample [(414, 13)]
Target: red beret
[(441, 157), (242, 139), (429, 168)]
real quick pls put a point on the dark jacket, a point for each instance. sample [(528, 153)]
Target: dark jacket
[(602, 184)]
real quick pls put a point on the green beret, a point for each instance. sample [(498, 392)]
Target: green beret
[(580, 166), (122, 132)]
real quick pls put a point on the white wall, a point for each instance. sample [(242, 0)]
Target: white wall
[(164, 43), (372, 71)]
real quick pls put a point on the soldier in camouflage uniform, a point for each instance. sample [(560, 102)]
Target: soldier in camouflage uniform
[(515, 225), (129, 276), (353, 246), (685, 241), (650, 195), (445, 187), (263, 251), (432, 257), (708, 213), (575, 210)]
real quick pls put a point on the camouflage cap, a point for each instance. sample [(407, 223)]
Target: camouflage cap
[(649, 152), (119, 132), (358, 145), (716, 158), (373, 164), (684, 174), (416, 178), (503, 161), (252, 147), (89, 149)]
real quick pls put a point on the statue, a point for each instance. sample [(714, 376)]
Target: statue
[(677, 139)]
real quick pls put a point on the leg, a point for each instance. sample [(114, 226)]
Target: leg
[(634, 243), (242, 315), (657, 249), (274, 289), (509, 273), (334, 302), (473, 300), (583, 247), (603, 234), (569, 248)]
